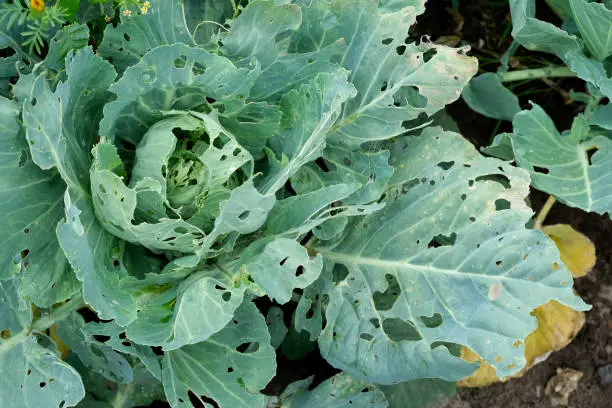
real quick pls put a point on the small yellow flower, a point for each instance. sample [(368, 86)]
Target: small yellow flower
[(107, 19), (144, 10), (146, 5), (38, 5), (127, 12)]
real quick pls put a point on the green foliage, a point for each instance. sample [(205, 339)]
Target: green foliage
[(202, 157)]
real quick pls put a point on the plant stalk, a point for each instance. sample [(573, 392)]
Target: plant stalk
[(537, 73), (544, 212)]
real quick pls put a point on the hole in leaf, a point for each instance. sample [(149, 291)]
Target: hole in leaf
[(387, 41), (180, 62), (198, 69), (282, 262), (181, 230), (433, 321), (499, 263), (446, 165), (429, 54), (366, 336), (101, 338), (127, 37), (399, 330), (339, 273), (126, 343), (227, 296), (383, 88), (299, 271), (322, 165), (248, 348), (385, 300), (502, 204), (375, 322), (541, 170), (42, 384), (244, 215), (442, 240), (5, 333), (498, 178), (590, 152), (400, 50), (230, 369)]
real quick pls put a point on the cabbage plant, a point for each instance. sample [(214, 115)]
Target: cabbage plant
[(203, 161)]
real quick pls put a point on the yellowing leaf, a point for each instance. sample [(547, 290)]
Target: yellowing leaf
[(577, 251), (61, 346), (557, 327)]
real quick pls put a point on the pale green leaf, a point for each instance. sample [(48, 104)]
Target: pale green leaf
[(31, 375), (574, 166), (339, 391), (276, 326), (488, 96), (230, 368), (164, 24), (448, 260), (427, 393), (282, 266), (594, 20), (394, 80)]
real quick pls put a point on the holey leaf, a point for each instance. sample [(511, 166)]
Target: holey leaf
[(447, 261), (574, 166), (396, 79)]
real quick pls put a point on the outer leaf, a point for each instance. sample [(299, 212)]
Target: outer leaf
[(32, 376), (421, 393), (336, 392), (136, 35), (393, 79), (449, 261), (310, 309), (276, 326), (220, 369), (32, 204), (60, 128), (94, 355), (564, 165), (172, 314), (538, 35), (488, 96), (595, 23), (282, 266)]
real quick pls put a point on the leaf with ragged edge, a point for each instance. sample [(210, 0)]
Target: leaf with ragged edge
[(282, 266), (72, 37), (267, 43), (308, 114), (311, 306), (119, 342), (338, 391), (572, 166), (31, 374), (60, 129), (103, 393), (393, 79), (370, 169), (32, 202), (164, 24), (594, 20), (173, 313), (96, 356), (538, 35), (180, 78), (448, 260), (229, 368)]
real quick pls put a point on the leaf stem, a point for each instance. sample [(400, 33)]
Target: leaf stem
[(544, 212), (536, 73)]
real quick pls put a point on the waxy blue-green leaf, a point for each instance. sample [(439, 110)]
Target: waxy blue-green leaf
[(32, 202), (96, 356), (31, 375), (282, 266), (538, 35), (60, 128), (164, 24), (395, 81), (488, 96), (453, 230), (310, 309), (174, 311), (425, 393), (276, 326), (206, 18), (178, 77), (230, 368), (339, 391), (308, 114), (573, 166), (594, 20)]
